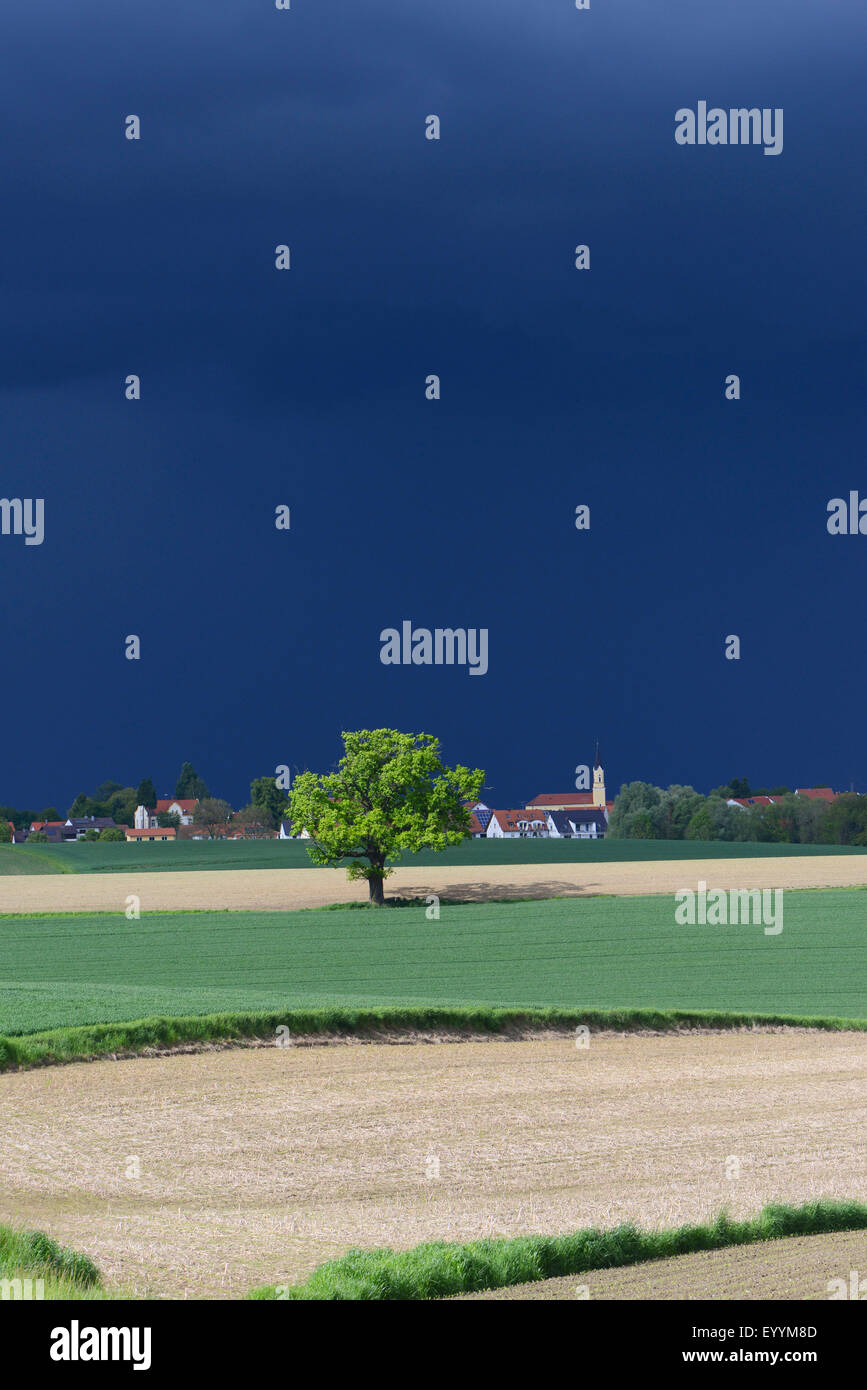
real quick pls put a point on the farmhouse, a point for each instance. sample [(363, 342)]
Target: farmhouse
[(158, 832), (513, 825), (585, 823), (78, 827), (480, 816), (147, 818), (51, 829), (74, 828)]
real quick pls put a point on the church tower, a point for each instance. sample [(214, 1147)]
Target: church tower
[(598, 780)]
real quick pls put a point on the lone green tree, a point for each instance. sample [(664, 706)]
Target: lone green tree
[(391, 793)]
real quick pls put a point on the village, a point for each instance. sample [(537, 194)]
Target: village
[(582, 814)]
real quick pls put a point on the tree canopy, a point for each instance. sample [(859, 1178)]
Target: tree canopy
[(213, 814), (271, 801), (391, 793), (645, 812), (146, 793), (190, 785)]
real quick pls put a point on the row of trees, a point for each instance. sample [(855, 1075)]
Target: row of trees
[(112, 800), (390, 793), (268, 805), (644, 812)]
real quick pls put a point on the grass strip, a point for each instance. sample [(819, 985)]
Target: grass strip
[(34, 1255), (89, 1041), (439, 1270)]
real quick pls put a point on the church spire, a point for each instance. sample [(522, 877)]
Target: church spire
[(598, 780)]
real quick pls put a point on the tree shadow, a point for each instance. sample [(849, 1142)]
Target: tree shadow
[(487, 892)]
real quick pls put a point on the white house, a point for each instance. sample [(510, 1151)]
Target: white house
[(287, 833), (514, 825), (583, 823), (147, 819)]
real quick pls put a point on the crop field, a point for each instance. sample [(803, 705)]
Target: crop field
[(571, 953), (800, 1267), (186, 855), (32, 861), (282, 889), (209, 1174)]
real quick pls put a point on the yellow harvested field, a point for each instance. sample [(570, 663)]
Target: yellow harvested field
[(296, 888), (203, 1175), (798, 1267)]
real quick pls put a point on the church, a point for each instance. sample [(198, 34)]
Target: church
[(574, 815)]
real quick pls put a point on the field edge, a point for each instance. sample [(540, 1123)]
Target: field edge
[(436, 1270), (64, 1274), (147, 1036)]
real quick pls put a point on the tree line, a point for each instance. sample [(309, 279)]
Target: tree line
[(268, 805), (643, 811)]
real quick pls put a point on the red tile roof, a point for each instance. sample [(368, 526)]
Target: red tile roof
[(508, 820), (812, 794), (556, 800), (186, 805)]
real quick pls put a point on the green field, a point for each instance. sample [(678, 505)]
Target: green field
[(565, 953), (292, 854)]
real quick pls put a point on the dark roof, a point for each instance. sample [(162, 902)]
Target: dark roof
[(564, 821)]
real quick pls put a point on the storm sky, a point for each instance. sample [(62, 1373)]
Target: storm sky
[(306, 388)]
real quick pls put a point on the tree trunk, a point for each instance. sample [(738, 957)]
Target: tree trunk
[(374, 884)]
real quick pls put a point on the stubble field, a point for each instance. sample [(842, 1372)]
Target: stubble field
[(799, 1267), (204, 1175), (275, 889)]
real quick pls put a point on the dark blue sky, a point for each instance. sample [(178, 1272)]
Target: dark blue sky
[(306, 387)]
